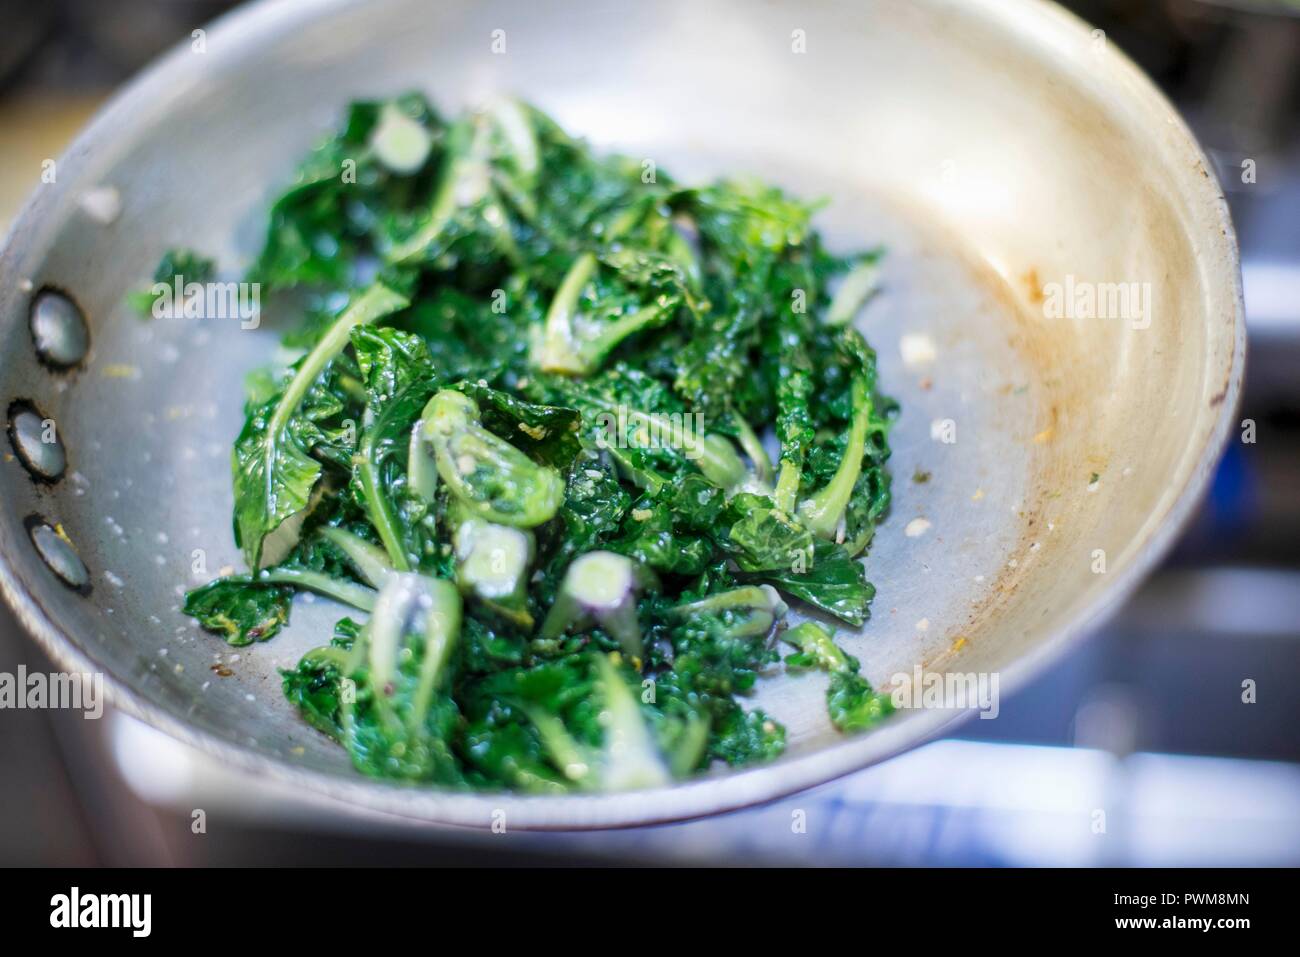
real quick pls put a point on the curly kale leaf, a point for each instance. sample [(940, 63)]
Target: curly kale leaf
[(850, 700), (831, 580), (275, 472), (549, 434), (745, 229), (399, 381), (762, 538), (183, 265), (604, 300), (315, 685), (240, 609), (344, 200)]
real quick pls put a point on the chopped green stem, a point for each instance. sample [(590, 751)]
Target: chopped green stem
[(630, 759), (560, 350), (573, 760), (787, 486), (642, 476), (822, 511), (370, 562), (441, 629), (714, 455), (350, 593), (600, 586), (376, 302), (422, 469), (689, 751), (757, 605), (463, 182), (855, 289), (379, 508), (817, 643), (487, 475), (753, 446)]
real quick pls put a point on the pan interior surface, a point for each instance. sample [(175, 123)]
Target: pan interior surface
[(1008, 158)]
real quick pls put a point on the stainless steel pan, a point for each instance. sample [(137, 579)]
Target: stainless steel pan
[(1002, 149)]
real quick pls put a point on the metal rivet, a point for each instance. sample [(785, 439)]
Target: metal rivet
[(58, 553), (58, 329), (35, 439)]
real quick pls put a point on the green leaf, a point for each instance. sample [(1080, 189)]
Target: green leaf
[(183, 264), (832, 581), (851, 702), (274, 470), (240, 609), (487, 475), (399, 381), (546, 433), (762, 538), (602, 301)]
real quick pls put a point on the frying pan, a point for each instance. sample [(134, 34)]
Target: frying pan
[(1045, 457)]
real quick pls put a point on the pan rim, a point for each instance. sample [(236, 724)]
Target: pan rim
[(735, 789)]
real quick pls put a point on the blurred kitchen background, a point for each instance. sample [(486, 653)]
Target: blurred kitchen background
[(1145, 720)]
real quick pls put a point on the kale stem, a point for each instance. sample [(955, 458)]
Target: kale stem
[(753, 447), (374, 303), (328, 655), (712, 454), (822, 512), (441, 629), (350, 593), (787, 486), (558, 350), (368, 560), (378, 509)]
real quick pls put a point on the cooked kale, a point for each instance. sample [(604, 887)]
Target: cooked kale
[(240, 608), (571, 435), (852, 703), (184, 265)]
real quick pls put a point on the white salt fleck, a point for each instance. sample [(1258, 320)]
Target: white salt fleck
[(917, 349), (103, 204), (916, 528)]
